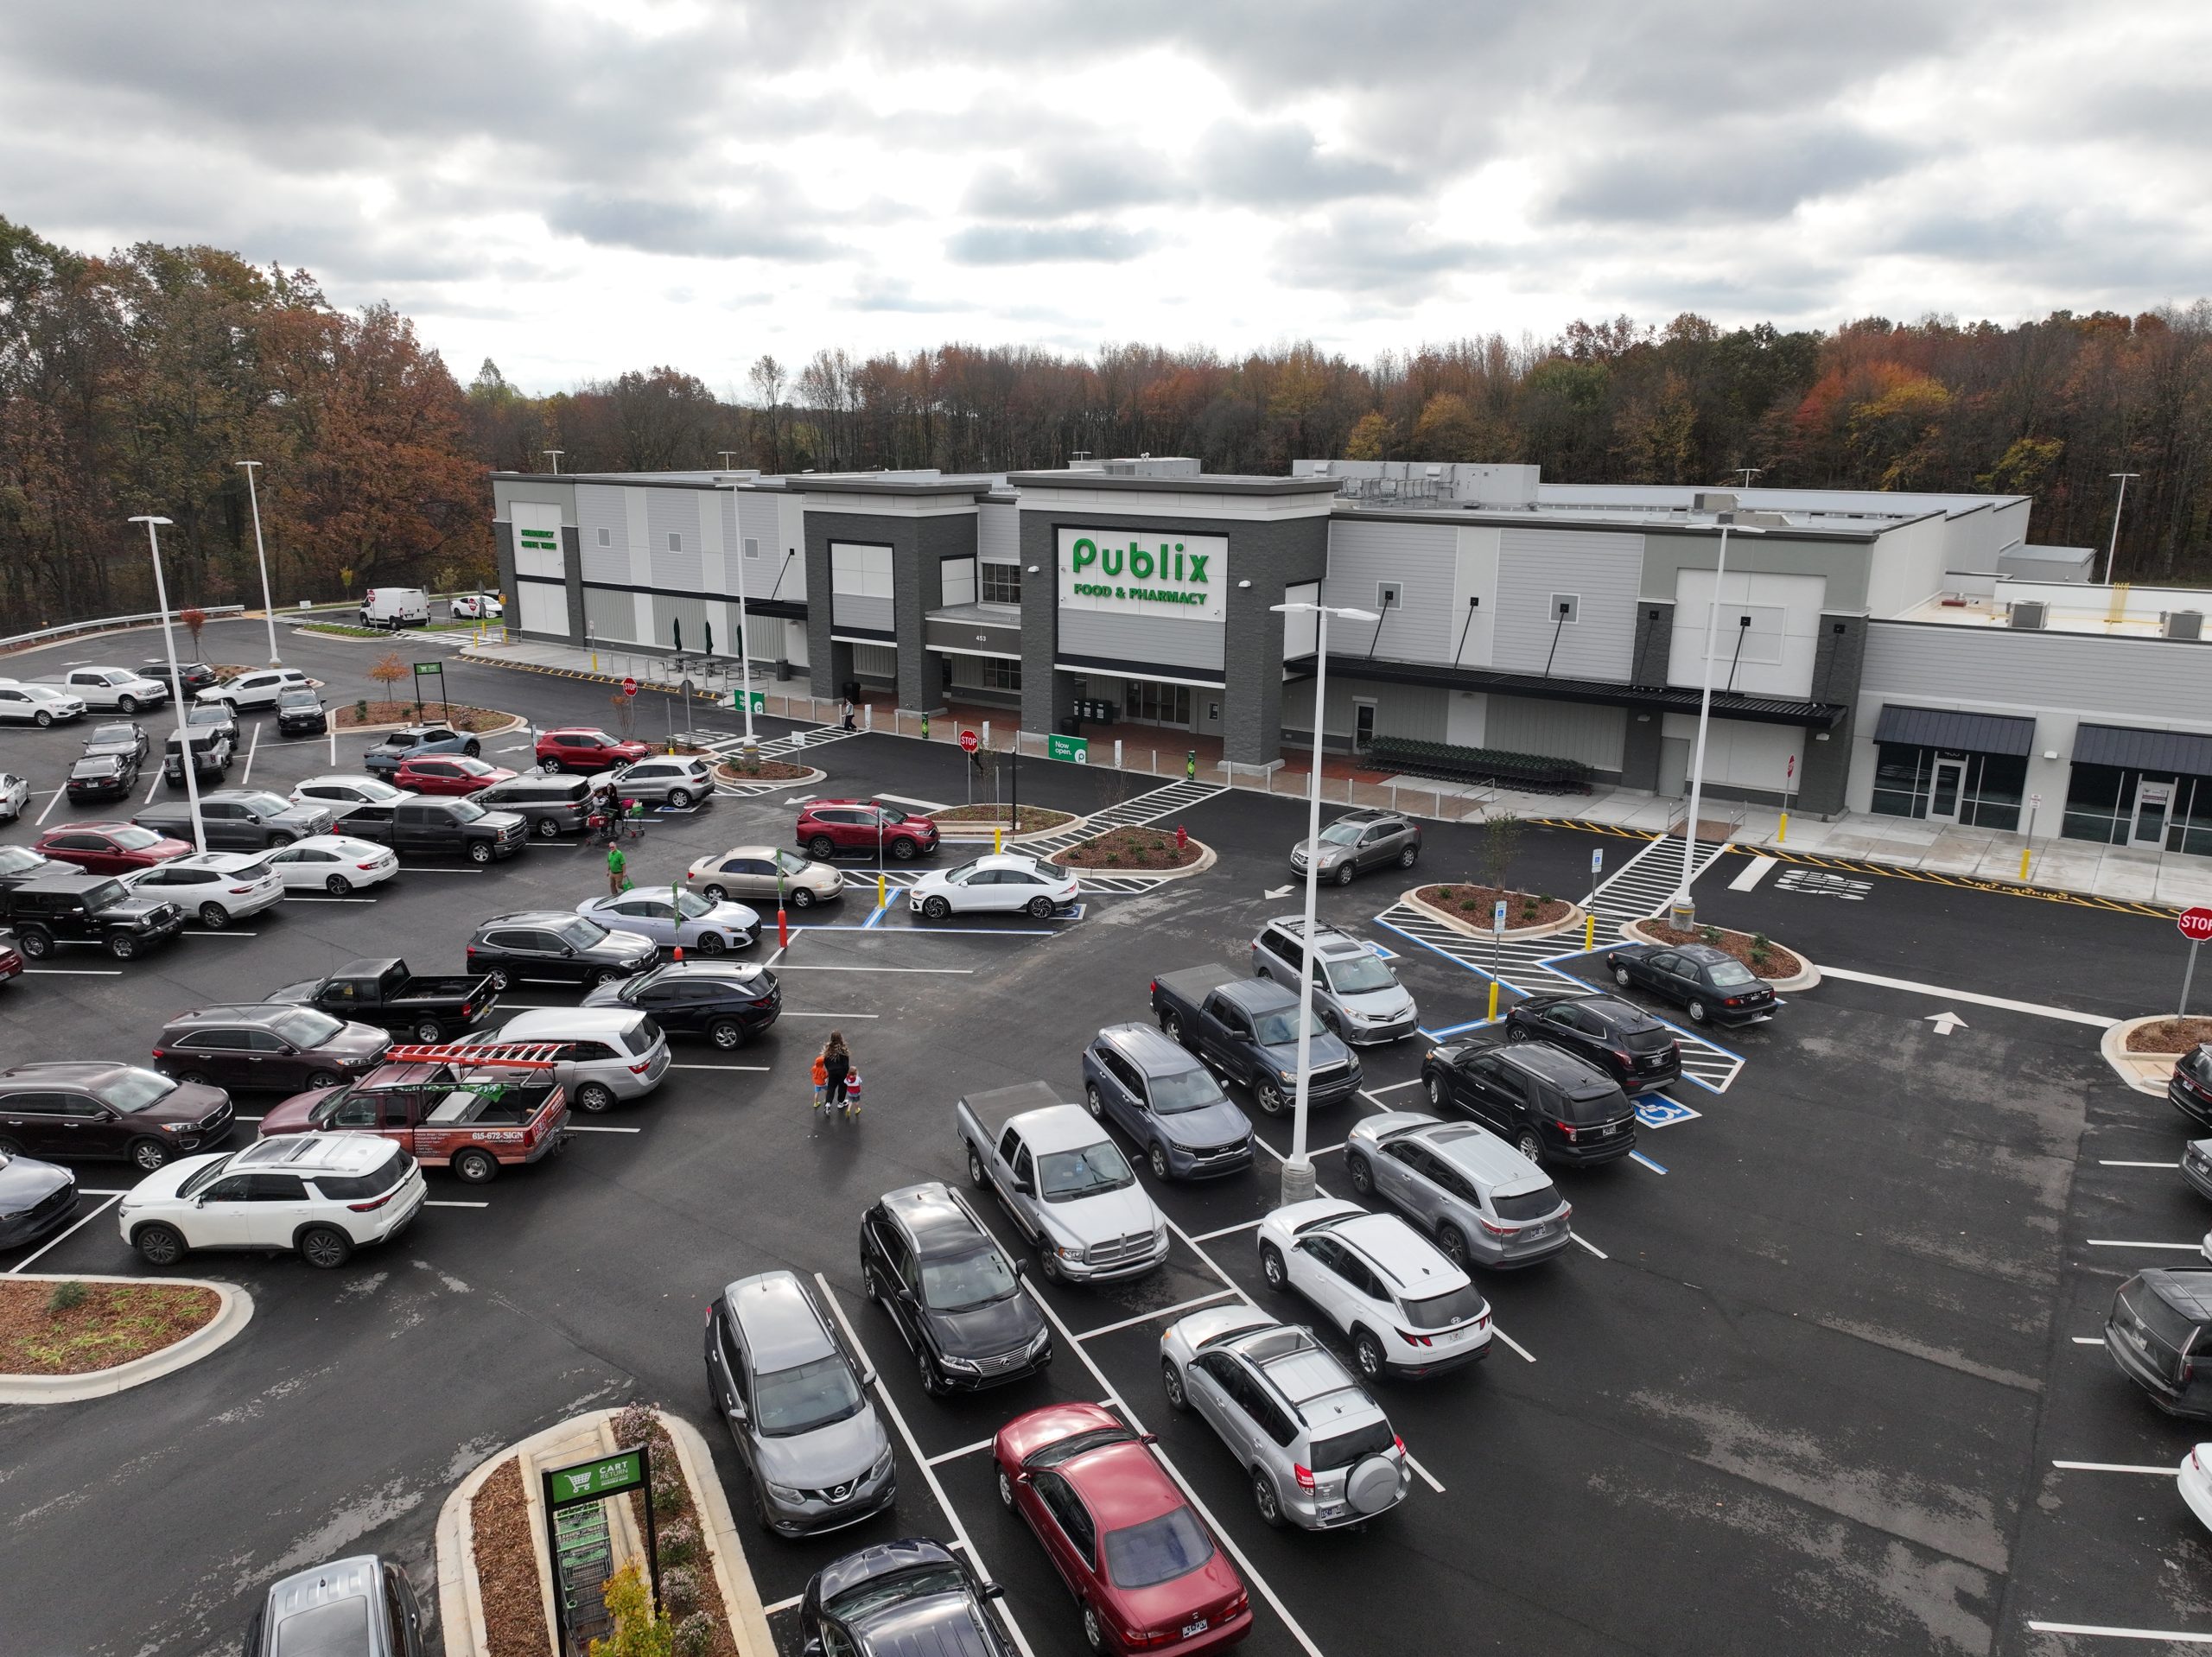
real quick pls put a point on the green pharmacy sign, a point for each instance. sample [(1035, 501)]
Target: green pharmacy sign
[(548, 541), (1164, 574)]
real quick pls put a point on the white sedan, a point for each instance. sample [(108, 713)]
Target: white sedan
[(335, 864), (477, 606), (1004, 883), (15, 795), (671, 915)]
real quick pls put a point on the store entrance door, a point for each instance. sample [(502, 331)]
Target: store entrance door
[(2154, 801), (1946, 787)]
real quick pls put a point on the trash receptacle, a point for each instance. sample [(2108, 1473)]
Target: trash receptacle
[(852, 690), (783, 669), (1071, 726)]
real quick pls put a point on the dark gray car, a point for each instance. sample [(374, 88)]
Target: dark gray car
[(1359, 842), (240, 819), (361, 1607), (796, 1408), (1161, 1095)]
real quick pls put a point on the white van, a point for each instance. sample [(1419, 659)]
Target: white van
[(396, 607)]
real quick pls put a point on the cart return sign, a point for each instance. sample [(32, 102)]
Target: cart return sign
[(1181, 576)]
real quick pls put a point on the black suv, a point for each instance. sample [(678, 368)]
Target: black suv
[(51, 910), (729, 1002), (1549, 1105), (241, 820), (555, 946), (553, 804), (2159, 1333), (1625, 1042), (957, 1300), (2189, 1090), (299, 713), (196, 675)]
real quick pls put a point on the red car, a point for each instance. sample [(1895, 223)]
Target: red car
[(449, 773), (109, 848), (1141, 1564), (11, 961), (827, 826), (581, 748)]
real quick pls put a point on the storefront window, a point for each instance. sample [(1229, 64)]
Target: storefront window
[(1995, 785), (1001, 583), (1156, 704), (1901, 778), (1980, 790), (2100, 804), (2191, 829), (1001, 675)]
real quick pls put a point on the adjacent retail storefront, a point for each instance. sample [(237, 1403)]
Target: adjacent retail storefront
[(1943, 765), (2148, 789)]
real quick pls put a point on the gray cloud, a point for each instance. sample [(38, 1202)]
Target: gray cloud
[(891, 293), (1048, 245), (1279, 164), (1055, 184), (1386, 259), (1728, 174), (654, 225)]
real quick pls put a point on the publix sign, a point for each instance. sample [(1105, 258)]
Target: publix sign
[(1179, 576)]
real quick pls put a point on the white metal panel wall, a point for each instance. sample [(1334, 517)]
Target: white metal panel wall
[(542, 521), (2158, 684), (791, 549), (541, 608), (1301, 633), (1778, 648), (714, 577), (1562, 730), (956, 581), (1421, 559), (1474, 598), (1417, 713), (602, 532), (611, 616), (998, 532), (1741, 754), (1906, 566), (1601, 571), (672, 528)]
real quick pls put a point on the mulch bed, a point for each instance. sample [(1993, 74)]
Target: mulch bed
[(506, 1566), (1777, 962), (347, 715), (110, 1323), (1132, 848), (687, 1576), (1476, 905), (2170, 1035), (1034, 818), (763, 771)]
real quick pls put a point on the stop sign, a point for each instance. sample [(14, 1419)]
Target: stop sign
[(969, 742), (629, 687), (2195, 923)]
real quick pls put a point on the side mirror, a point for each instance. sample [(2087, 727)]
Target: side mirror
[(1148, 1437), (811, 1648), (737, 1413), (1021, 1268), (906, 1295), (1023, 1187), (990, 1590)]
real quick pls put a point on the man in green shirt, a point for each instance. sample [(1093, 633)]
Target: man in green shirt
[(616, 864)]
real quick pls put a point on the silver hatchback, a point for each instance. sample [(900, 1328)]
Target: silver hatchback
[(1485, 1203)]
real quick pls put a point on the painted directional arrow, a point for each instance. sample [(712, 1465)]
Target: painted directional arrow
[(1946, 1022), (798, 799), (1276, 891)]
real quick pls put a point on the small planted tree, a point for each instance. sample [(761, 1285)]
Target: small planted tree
[(640, 1630), (1500, 842), (388, 671), (194, 618)]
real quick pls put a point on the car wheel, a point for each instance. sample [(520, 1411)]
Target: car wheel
[(473, 748), (1696, 1009), (1093, 1636), (475, 1167), (1406, 858), (712, 943), (932, 1383), (148, 1156), (123, 946), (1344, 874), (499, 979), (727, 1034), (1621, 977), (595, 1098), (802, 899), (760, 1507), (1171, 1026), (1157, 1158), (715, 894), (1357, 1172), (280, 838), (338, 886), (325, 1247), (9, 1148), (127, 704), (1170, 1381), (158, 1245), (194, 1079), (35, 943), (1516, 1032), (547, 828), (42, 719), (479, 852), (550, 767), (936, 909), (1330, 1023), (1265, 1498), (1272, 1268), (604, 975), (869, 1287), (1006, 1490), (1092, 1103), (976, 1175), (1048, 1262), (1041, 908), (902, 851), (323, 1079), (820, 848), (214, 917), (1452, 1246), (1268, 1094), (679, 799), (1367, 1352), (429, 1030), (1435, 1091), (1530, 1144)]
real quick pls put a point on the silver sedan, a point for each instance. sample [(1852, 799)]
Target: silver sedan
[(670, 916)]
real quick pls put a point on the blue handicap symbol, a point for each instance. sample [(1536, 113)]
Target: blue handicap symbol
[(1658, 1111)]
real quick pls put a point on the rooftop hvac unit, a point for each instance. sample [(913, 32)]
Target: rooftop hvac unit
[(2184, 624), (2028, 613), (1712, 500)]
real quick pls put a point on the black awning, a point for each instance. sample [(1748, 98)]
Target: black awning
[(1673, 699), (1947, 727), (2184, 752)]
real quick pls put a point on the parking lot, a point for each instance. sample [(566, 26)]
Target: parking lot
[(1807, 1382)]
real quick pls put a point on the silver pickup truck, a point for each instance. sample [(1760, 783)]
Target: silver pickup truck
[(1063, 1180)]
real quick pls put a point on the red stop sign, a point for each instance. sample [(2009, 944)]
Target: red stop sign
[(969, 742), (2195, 923), (629, 687)]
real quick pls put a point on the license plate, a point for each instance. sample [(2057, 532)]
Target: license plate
[(1191, 1628)]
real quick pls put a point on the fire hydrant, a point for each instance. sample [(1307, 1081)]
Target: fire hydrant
[(1182, 837)]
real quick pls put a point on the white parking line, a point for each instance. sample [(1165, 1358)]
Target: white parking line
[(23, 1264), (718, 1067), (1395, 1086), (210, 932), (788, 1013), (2036, 1008), (1592, 1247), (2104, 1163), (423, 868), (252, 749), (2121, 1243), (2166, 1636), (2088, 1340), (593, 1128), (1511, 1342), (77, 972), (1428, 1476), (304, 898), (1165, 1311), (946, 972), (1228, 1231), (2116, 1467), (1753, 875), (433, 1203), (51, 803), (151, 786), (929, 1474), (964, 1449), (781, 1605)]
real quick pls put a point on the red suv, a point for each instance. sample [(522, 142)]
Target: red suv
[(581, 748), (449, 773), (827, 826), (109, 848)]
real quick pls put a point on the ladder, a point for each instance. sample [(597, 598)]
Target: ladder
[(511, 1055)]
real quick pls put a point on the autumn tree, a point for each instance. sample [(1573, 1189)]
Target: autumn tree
[(388, 671), (1369, 438)]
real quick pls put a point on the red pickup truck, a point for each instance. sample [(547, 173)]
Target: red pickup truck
[(474, 1114)]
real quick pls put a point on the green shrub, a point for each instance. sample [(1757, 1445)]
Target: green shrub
[(66, 1296), (1709, 934), (679, 1592), (695, 1635), (361, 709), (678, 1541)]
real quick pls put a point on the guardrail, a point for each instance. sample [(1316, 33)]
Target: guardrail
[(107, 624)]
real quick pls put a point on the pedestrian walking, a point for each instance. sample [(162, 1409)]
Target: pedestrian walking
[(617, 868), (849, 717), (821, 1082), (835, 1064)]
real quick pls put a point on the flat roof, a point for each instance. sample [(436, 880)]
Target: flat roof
[(1219, 483)]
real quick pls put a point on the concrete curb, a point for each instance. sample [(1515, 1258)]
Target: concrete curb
[(229, 1318), (1207, 859), (461, 1611), (740, 780), (515, 722), (2144, 1072), (1807, 979), (953, 831), (1574, 918)]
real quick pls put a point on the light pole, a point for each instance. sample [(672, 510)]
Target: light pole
[(557, 453), (1684, 907), (176, 681), (2112, 553), (268, 608), (1298, 1183)]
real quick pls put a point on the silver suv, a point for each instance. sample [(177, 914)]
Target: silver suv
[(1355, 992), (1485, 1203), (607, 1054), (1358, 842), (1319, 1452), (680, 780)]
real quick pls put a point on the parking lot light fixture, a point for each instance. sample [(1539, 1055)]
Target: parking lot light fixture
[(261, 553), (1684, 909), (176, 680), (1298, 1183)]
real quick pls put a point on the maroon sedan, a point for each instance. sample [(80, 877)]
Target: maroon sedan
[(449, 773), (11, 960), (109, 848), (1141, 1564)]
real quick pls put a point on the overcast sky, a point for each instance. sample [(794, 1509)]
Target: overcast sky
[(574, 189)]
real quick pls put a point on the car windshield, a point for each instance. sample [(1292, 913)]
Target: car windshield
[(135, 838), (1359, 975), (465, 810), (1159, 1550), (1727, 975), (136, 1089), (965, 1280), (208, 713), (963, 874), (307, 1028), (792, 863), (580, 933), (1062, 1176), (14, 859), (1443, 1311), (806, 1396), (201, 1178), (1275, 1029), (691, 905), (106, 895), (897, 1590), (1342, 834), (298, 696), (1183, 1091)]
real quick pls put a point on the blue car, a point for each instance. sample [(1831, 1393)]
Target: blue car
[(415, 741), (1161, 1095)]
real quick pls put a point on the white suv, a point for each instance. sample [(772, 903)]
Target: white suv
[(217, 887), (258, 688), (607, 1053), (319, 1195), (1407, 1309), (35, 704), (118, 687)]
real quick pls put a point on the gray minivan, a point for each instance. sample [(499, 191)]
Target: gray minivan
[(364, 1606), (553, 804), (1161, 1095)]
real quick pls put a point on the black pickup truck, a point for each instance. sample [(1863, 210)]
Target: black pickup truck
[(438, 828), (384, 992), (52, 909), (1247, 1029)]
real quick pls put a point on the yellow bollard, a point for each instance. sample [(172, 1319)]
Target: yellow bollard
[(997, 843), (2023, 865), (1493, 1001), (1590, 930), (1782, 833), (881, 898)]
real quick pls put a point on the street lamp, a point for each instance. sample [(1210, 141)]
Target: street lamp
[(557, 453), (268, 608), (176, 681), (745, 664), (1298, 1183), (2112, 551), (1684, 907)]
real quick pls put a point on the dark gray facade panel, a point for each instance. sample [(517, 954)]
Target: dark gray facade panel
[(957, 635), (1943, 727), (1640, 752), (503, 550), (2183, 752), (573, 581), (1824, 772), (916, 583), (1655, 645), (1838, 659)]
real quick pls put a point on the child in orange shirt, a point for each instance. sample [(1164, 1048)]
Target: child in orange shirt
[(821, 1081)]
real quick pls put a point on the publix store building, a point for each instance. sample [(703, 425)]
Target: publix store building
[(1907, 655)]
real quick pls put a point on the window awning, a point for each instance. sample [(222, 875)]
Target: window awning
[(2178, 752), (1947, 727)]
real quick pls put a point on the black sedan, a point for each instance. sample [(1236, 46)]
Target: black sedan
[(1710, 983), (958, 1302), (102, 777), (36, 1199), (122, 737), (729, 1002), (1635, 1049), (913, 1596)]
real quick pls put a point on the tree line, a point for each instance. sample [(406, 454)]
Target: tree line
[(134, 382)]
